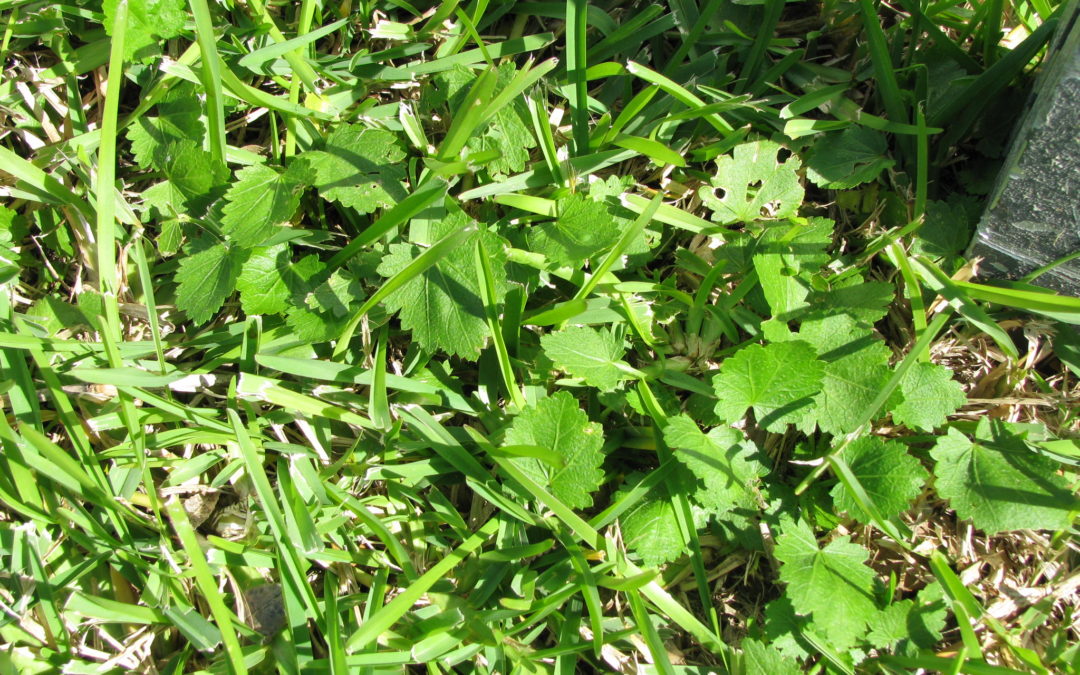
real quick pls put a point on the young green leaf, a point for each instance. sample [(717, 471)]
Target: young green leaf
[(865, 301), (1000, 484), (558, 424), (335, 295), (842, 160), (651, 530), (443, 306), (778, 381), (593, 354), (259, 201), (205, 279), (178, 119), (194, 180), (832, 584), (916, 622), (583, 228), (269, 278), (889, 475), (785, 257), (148, 23), (729, 467), (764, 659), (754, 184), (359, 168), (930, 396)]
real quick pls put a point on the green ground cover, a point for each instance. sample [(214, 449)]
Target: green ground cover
[(525, 337)]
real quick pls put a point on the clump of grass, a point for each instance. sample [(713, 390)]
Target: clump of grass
[(523, 337)]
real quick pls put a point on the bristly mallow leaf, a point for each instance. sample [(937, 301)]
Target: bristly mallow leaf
[(833, 585), (930, 396), (149, 22), (260, 200), (778, 381), (558, 424), (754, 184), (206, 278), (842, 160), (443, 306), (593, 354), (729, 466), (889, 475), (359, 168), (582, 229), (1000, 483)]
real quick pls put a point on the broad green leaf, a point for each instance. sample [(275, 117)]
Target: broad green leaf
[(783, 629), (764, 659), (443, 307), (335, 295), (320, 309), (930, 396), (149, 22), (583, 228), (558, 424), (178, 119), (856, 368), (779, 381), (918, 621), (889, 475), (1000, 484), (832, 584), (946, 229), (865, 301), (842, 160), (889, 626), (785, 257), (271, 279), (729, 467), (651, 530), (205, 279), (754, 184), (593, 354), (193, 180), (359, 168), (259, 201)]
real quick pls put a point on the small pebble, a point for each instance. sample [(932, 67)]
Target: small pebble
[(267, 614)]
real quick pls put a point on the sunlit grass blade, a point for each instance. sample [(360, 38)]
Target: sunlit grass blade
[(211, 78), (417, 267), (385, 617)]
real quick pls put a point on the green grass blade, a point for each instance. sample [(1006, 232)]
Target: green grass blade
[(211, 78), (576, 64), (207, 585), (411, 271), (385, 617)]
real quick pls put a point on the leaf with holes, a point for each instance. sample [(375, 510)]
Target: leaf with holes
[(359, 168), (754, 184)]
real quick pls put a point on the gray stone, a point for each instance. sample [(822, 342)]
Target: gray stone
[(1033, 217)]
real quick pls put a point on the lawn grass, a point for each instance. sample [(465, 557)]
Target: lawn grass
[(525, 337)]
